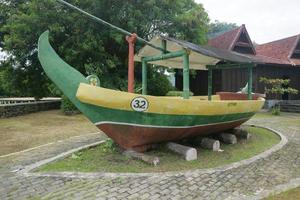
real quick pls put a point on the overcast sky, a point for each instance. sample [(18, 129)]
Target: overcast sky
[(266, 20)]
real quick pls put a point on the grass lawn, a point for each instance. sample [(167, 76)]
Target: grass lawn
[(100, 158), (289, 119), (23, 132), (288, 195)]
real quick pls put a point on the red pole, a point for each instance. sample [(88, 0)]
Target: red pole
[(131, 42)]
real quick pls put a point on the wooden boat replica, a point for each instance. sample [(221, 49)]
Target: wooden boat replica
[(137, 121)]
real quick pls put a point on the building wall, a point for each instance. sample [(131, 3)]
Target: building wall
[(199, 82), (232, 80)]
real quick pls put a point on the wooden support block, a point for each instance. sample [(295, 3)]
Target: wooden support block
[(188, 153), (240, 133), (153, 160), (208, 143), (228, 138)]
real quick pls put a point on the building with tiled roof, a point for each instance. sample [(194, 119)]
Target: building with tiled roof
[(281, 59)]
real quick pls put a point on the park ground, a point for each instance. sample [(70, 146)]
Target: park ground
[(21, 133)]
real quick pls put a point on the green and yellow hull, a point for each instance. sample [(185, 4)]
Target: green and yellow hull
[(137, 121)]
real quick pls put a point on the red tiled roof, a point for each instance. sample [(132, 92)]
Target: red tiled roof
[(229, 39), (295, 62), (280, 49), (226, 40), (277, 52)]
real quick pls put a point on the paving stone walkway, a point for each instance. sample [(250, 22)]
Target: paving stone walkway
[(244, 182)]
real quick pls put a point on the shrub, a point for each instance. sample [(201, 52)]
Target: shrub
[(159, 85), (109, 146), (67, 106), (276, 110)]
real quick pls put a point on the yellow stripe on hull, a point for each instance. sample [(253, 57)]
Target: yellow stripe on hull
[(165, 105)]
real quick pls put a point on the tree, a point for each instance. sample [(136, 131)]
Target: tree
[(217, 28), (90, 47)]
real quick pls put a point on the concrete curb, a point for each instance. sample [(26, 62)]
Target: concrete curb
[(28, 168), (294, 183), (97, 175)]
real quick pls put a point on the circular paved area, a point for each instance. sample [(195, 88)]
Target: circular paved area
[(250, 181)]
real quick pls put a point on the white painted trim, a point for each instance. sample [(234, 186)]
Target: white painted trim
[(175, 127)]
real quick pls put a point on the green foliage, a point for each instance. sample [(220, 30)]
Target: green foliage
[(158, 84), (7, 81), (177, 93), (276, 110), (54, 91), (217, 28), (109, 146), (277, 86), (67, 106), (91, 48)]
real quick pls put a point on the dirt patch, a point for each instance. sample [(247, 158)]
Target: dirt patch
[(23, 132)]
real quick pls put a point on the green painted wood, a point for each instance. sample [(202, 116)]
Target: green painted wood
[(209, 83), (144, 78), (68, 79), (174, 54), (186, 76), (250, 78), (164, 46)]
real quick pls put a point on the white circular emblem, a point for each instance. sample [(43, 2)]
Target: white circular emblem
[(139, 104)]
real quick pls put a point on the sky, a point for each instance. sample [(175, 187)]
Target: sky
[(265, 20)]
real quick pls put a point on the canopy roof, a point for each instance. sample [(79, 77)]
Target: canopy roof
[(200, 56)]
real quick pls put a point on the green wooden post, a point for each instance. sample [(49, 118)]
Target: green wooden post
[(144, 77), (166, 56), (209, 83), (164, 46), (250, 75), (186, 76)]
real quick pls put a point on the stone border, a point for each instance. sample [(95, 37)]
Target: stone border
[(28, 168), (292, 184), (18, 109), (90, 175)]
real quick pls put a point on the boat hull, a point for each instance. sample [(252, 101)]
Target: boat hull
[(136, 121), (142, 138)]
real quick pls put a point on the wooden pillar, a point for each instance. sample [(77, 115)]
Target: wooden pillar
[(164, 46), (144, 77), (209, 92), (186, 76)]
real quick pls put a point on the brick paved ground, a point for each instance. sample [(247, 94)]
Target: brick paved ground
[(236, 183)]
